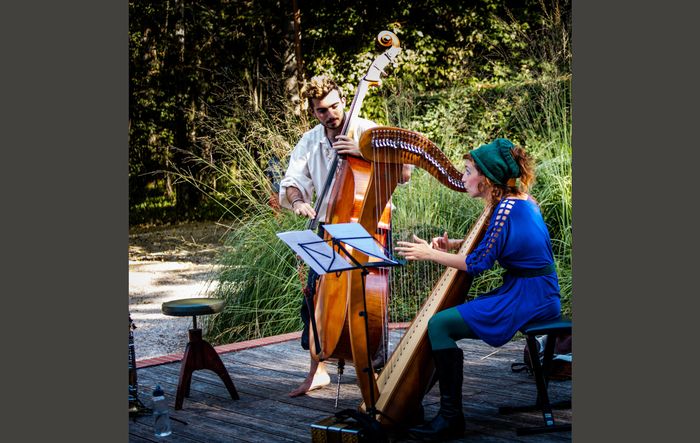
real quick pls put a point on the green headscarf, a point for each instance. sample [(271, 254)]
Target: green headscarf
[(496, 161)]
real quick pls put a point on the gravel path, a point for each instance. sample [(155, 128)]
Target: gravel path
[(168, 263)]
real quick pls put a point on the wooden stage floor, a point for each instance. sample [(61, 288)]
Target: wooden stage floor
[(264, 375)]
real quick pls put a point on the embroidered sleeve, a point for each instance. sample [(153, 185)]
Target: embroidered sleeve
[(489, 249)]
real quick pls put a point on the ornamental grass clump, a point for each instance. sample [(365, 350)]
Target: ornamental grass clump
[(258, 279)]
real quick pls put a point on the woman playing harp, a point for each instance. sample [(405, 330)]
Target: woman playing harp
[(518, 239)]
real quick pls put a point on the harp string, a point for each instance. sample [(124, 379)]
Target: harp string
[(424, 207), (417, 207)]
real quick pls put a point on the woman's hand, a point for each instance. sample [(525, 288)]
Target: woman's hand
[(418, 250), (441, 243), (421, 250)]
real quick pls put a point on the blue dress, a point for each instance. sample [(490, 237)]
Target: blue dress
[(518, 238)]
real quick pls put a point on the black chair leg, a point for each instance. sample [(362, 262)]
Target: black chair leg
[(542, 403)]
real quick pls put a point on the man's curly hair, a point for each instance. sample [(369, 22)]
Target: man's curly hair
[(318, 87)]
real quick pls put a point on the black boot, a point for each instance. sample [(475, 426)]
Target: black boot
[(449, 423)]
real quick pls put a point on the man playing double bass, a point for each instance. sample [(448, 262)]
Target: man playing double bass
[(309, 164)]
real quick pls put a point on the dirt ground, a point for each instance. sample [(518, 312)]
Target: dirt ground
[(190, 242), (168, 263)]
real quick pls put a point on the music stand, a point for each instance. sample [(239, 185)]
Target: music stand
[(323, 258)]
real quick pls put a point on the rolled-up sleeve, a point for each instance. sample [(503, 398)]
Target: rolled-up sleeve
[(297, 175), (310, 162)]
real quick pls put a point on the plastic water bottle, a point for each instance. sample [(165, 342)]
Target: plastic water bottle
[(161, 417)]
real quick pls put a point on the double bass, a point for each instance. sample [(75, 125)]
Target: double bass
[(349, 312)]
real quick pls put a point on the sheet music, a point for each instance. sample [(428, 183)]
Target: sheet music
[(322, 258), (353, 234), (315, 252)]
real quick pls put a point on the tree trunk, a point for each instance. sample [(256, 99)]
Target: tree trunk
[(187, 197), (297, 55)]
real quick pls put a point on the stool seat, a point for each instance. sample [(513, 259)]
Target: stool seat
[(558, 326), (192, 306)]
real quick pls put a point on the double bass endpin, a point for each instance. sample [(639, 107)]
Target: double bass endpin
[(341, 366)]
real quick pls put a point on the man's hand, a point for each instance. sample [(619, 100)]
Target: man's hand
[(302, 208), (346, 145), (406, 171)]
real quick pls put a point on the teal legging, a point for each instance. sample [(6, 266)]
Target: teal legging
[(446, 327)]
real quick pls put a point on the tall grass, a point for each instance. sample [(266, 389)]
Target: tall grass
[(258, 280), (257, 274)]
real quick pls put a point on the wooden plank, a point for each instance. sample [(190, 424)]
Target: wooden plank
[(141, 430), (210, 420), (272, 384), (263, 376), (136, 438), (254, 409)]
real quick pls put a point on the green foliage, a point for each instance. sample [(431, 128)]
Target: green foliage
[(185, 56), (180, 56)]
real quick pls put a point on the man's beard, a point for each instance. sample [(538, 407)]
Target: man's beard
[(338, 123)]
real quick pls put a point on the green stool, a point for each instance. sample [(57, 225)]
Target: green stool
[(198, 354)]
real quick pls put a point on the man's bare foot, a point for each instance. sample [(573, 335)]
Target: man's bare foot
[(316, 381)]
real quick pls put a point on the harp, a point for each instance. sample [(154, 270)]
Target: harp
[(408, 371)]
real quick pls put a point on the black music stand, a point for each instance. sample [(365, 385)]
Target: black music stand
[(323, 258)]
